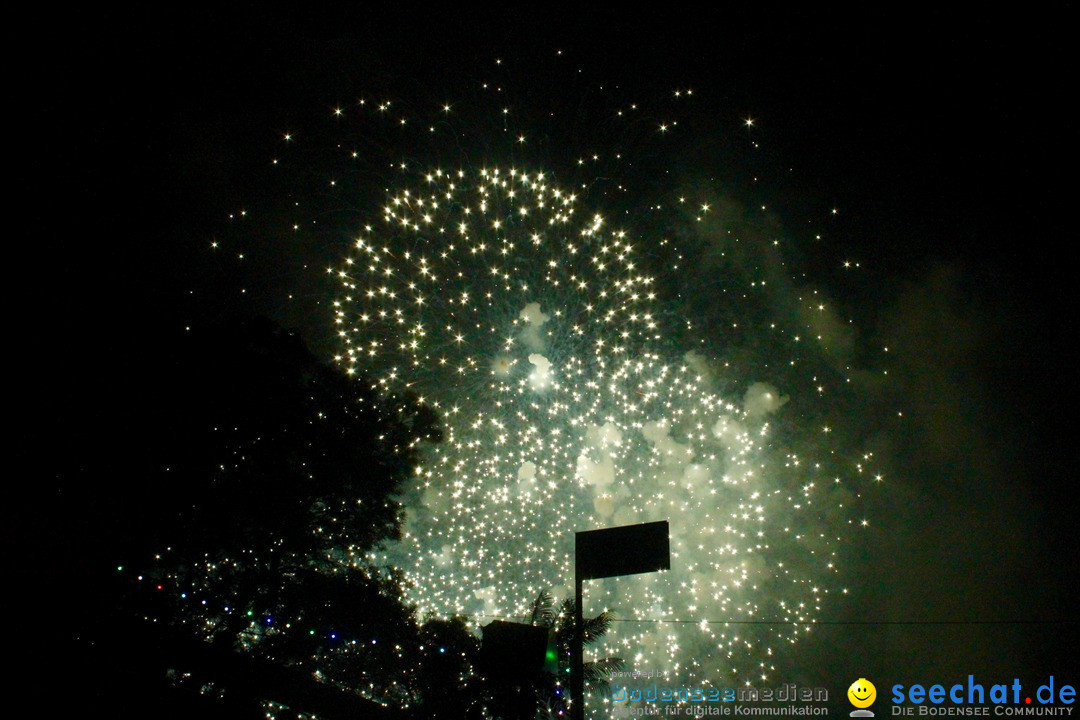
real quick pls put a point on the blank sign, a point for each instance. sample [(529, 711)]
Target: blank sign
[(624, 550)]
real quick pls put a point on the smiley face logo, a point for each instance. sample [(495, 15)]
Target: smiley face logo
[(862, 694)]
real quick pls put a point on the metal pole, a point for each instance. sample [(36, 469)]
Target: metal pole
[(577, 667)]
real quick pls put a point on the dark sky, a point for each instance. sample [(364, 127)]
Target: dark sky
[(944, 136)]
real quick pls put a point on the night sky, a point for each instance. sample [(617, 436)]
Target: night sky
[(943, 140)]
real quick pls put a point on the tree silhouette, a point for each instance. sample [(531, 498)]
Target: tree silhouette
[(277, 477), (554, 689)]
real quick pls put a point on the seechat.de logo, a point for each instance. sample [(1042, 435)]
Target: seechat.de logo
[(974, 698)]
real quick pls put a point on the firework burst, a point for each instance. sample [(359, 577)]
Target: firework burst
[(546, 329), (532, 329)]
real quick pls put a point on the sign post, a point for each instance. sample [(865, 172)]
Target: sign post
[(623, 550)]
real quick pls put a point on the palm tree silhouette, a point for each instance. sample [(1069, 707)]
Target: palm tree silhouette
[(554, 690)]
